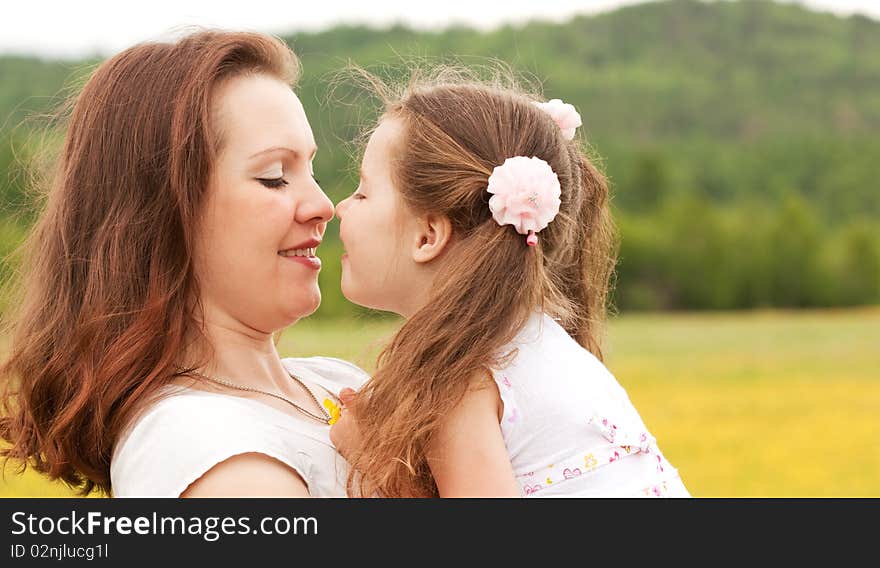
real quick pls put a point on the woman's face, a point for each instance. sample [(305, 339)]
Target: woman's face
[(377, 270), (264, 214)]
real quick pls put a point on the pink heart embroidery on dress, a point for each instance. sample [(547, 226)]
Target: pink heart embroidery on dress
[(569, 473)]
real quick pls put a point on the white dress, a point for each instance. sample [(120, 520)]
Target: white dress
[(570, 428), (185, 434)]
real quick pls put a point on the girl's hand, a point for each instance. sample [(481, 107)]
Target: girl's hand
[(344, 432)]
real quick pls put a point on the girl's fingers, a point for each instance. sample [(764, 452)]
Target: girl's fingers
[(345, 395)]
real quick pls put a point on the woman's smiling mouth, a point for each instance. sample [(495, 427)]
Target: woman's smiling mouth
[(305, 256)]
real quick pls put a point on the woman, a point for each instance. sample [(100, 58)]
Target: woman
[(178, 237)]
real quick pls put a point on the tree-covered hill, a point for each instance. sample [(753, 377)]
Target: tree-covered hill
[(740, 137)]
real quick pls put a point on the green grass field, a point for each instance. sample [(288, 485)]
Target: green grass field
[(759, 404)]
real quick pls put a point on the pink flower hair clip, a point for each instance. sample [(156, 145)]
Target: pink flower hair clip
[(563, 114), (525, 194)]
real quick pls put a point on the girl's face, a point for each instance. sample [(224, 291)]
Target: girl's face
[(264, 213), (378, 270)]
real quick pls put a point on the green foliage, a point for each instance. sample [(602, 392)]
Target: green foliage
[(739, 138), (690, 254)]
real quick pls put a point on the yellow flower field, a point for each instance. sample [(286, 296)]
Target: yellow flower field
[(757, 404)]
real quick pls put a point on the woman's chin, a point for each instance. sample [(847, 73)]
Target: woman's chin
[(305, 307)]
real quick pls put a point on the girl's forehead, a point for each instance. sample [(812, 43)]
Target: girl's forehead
[(383, 139)]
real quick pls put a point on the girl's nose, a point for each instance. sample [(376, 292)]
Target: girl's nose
[(340, 207)]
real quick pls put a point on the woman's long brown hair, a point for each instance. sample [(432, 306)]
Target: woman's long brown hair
[(454, 134), (108, 291)]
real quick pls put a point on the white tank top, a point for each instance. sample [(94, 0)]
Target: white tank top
[(182, 436), (570, 428)]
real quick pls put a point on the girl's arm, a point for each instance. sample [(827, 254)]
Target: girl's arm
[(468, 457)]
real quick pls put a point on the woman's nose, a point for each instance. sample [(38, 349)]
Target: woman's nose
[(318, 207)]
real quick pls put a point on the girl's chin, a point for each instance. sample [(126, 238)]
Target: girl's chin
[(349, 291), (356, 296)]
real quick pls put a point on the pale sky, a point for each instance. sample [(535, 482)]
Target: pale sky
[(65, 28)]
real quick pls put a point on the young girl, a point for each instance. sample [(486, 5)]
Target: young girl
[(479, 219)]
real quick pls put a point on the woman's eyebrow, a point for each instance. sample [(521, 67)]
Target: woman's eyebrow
[(284, 149)]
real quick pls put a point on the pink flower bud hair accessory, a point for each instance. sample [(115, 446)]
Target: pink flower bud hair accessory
[(563, 114), (525, 191)]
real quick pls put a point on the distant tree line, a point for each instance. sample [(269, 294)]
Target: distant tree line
[(740, 140)]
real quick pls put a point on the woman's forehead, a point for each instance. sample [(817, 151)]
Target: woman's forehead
[(257, 112)]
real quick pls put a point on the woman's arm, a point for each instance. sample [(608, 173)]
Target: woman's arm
[(248, 475), (468, 457)]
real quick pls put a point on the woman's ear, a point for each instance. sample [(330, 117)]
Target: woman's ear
[(432, 236)]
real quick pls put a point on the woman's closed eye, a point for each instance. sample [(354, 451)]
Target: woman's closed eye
[(273, 183)]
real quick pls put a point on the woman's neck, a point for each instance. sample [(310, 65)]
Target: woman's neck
[(240, 354)]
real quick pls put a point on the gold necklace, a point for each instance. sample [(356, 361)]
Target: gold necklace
[(329, 416)]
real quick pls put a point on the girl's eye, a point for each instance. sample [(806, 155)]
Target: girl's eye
[(357, 195), (273, 183)]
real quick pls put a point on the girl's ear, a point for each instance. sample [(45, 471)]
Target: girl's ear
[(431, 237)]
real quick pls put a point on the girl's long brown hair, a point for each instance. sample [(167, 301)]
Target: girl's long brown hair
[(108, 289), (454, 134)]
